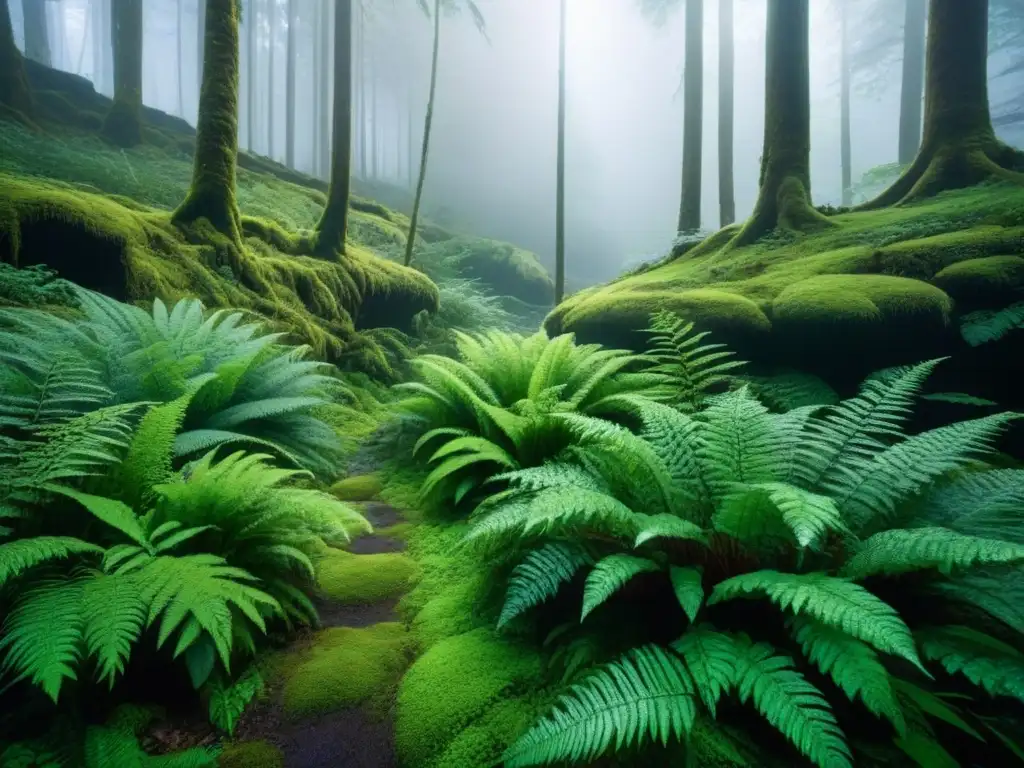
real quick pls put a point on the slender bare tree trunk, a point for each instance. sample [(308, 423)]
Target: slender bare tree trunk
[(180, 57), (324, 112), (333, 223), (410, 167), (37, 34), (844, 104), (560, 173), (364, 157), (251, 22), (15, 95), (726, 76), (271, 79), (289, 130), (913, 79), (123, 124), (427, 120), (201, 51), (693, 118)]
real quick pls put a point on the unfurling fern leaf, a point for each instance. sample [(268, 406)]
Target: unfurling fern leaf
[(646, 694), (791, 704), (836, 602), (228, 701), (853, 666), (540, 575), (988, 663), (609, 576), (901, 550)]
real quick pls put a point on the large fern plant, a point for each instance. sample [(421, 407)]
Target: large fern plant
[(250, 390), (820, 543), (508, 403)]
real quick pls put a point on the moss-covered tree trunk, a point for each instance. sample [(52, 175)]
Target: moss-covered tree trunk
[(427, 121), (693, 117), (726, 77), (913, 79), (212, 194), (959, 147), (123, 125), (333, 223), (37, 33), (250, 21), (15, 95), (783, 198)]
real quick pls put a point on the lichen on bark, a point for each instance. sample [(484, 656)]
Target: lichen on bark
[(123, 124), (959, 147)]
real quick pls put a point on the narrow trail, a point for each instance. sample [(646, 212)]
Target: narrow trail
[(349, 737)]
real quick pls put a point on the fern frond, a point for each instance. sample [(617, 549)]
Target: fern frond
[(738, 442), (985, 326), (990, 664), (646, 694), (853, 666), (710, 658), (540, 575), (979, 503), (902, 550), (20, 555), (833, 601), (689, 589), (228, 702), (773, 510), (609, 575), (790, 703), (665, 526), (786, 391)]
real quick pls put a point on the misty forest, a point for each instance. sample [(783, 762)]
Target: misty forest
[(472, 383)]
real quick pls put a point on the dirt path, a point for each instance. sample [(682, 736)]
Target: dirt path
[(349, 737)]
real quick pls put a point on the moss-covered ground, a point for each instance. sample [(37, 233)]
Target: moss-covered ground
[(881, 286)]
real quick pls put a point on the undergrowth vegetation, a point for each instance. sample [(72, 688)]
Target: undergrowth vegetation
[(693, 548)]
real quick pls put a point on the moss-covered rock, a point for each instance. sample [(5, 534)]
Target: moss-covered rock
[(251, 754), (343, 668), (503, 268), (876, 281), (985, 283), (457, 704), (365, 579), (357, 488)]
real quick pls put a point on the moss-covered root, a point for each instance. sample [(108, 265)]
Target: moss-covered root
[(123, 125), (959, 147), (212, 194), (464, 701), (15, 95), (251, 754)]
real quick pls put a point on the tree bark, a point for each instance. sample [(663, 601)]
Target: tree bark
[(844, 104), (200, 42), (180, 57), (289, 129), (959, 147), (913, 80), (250, 21), (37, 34), (123, 125), (271, 78), (726, 76), (427, 121), (212, 193), (373, 133), (783, 199), (410, 167), (560, 174), (693, 118), (324, 112), (364, 157), (333, 223), (15, 94)]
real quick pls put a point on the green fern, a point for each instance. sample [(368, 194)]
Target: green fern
[(900, 551), (986, 326), (688, 587), (609, 575), (540, 575), (786, 391), (710, 658), (228, 702), (990, 664)]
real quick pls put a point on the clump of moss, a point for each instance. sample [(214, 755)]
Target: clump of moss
[(344, 668), (365, 579), (456, 685), (357, 488), (986, 283), (34, 286), (503, 268), (251, 754)]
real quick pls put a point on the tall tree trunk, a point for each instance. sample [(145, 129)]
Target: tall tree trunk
[(726, 76), (250, 21), (373, 132), (959, 148), (693, 118), (59, 51), (289, 109), (333, 223), (560, 172), (271, 79), (410, 166), (783, 198), (200, 51), (212, 193), (15, 95), (123, 125), (181, 59), (324, 112), (844, 103), (913, 79), (37, 34), (364, 157), (102, 48), (427, 120)]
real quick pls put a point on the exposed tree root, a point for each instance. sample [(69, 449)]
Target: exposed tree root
[(952, 166), (789, 209)]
